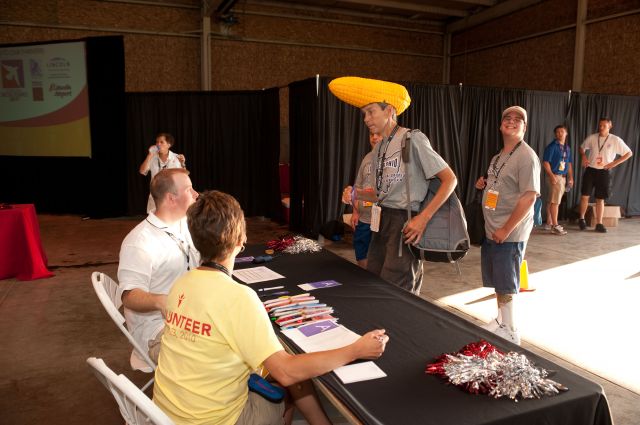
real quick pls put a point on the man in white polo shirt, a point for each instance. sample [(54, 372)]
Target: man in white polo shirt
[(599, 152), (154, 254)]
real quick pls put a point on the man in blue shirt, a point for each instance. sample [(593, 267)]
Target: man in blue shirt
[(559, 170)]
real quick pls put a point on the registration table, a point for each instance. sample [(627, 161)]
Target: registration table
[(420, 331), (21, 252)]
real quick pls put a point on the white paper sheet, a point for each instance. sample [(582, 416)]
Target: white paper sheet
[(329, 340), (359, 372), (256, 274)]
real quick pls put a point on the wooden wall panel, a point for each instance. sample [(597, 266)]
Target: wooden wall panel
[(611, 63), (544, 63)]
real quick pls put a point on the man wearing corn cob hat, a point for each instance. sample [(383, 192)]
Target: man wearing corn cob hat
[(381, 102)]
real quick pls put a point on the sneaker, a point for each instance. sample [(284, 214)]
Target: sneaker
[(509, 335), (582, 224), (600, 228), (547, 227), (558, 230), (492, 326)]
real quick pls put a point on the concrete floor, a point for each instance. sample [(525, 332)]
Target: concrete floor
[(49, 327)]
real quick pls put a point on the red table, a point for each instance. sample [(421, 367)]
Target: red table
[(21, 252)]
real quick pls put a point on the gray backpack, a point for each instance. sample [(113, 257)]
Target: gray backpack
[(445, 240)]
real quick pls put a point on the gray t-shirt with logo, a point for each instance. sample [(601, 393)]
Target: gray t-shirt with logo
[(363, 181), (424, 164), (520, 174)]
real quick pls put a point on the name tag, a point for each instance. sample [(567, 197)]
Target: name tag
[(376, 212), (491, 201), (561, 166)]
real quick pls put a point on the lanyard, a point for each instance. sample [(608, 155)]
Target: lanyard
[(179, 242), (217, 266), (380, 167), (160, 166), (564, 148), (603, 143), (496, 170)]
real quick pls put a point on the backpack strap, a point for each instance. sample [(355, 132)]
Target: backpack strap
[(406, 159)]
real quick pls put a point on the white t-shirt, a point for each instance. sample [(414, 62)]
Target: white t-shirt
[(156, 165), (152, 257), (605, 148)]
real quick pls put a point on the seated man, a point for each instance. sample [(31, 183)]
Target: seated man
[(154, 254), (218, 333)]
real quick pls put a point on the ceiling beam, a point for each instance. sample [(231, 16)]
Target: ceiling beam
[(497, 11), (488, 3), (338, 11), (413, 7)]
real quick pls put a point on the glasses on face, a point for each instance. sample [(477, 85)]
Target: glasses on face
[(515, 119)]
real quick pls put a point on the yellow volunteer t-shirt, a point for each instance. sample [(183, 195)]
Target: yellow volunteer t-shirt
[(216, 333)]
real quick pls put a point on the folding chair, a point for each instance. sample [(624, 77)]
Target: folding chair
[(110, 296), (135, 407)]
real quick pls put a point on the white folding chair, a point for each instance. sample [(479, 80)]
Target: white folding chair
[(110, 296), (135, 407)]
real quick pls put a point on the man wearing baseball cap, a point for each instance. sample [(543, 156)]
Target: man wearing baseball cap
[(380, 103), (510, 191)]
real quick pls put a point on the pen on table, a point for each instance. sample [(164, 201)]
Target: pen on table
[(273, 294), (270, 289)]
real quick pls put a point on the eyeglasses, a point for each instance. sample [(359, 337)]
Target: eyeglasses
[(517, 120)]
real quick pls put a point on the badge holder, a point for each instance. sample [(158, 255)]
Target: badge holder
[(376, 213)]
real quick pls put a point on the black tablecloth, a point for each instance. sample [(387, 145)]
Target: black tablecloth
[(420, 331)]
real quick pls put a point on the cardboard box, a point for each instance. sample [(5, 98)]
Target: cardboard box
[(609, 218)]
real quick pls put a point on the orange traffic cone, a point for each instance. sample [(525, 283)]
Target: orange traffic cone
[(524, 278)]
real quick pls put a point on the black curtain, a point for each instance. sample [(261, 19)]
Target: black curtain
[(230, 141), (435, 110), (89, 186), (584, 112), (480, 131), (328, 139)]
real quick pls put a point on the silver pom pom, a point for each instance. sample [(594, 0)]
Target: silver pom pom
[(511, 375), (302, 245)]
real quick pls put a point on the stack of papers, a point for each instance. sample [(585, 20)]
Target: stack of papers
[(328, 335)]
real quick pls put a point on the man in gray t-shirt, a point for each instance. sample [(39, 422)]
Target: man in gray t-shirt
[(510, 191), (389, 256)]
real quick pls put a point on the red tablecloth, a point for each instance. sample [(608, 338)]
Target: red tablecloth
[(21, 252)]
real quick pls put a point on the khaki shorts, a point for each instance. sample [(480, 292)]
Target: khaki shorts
[(259, 411), (556, 190)]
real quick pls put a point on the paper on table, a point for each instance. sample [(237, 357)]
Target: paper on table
[(336, 337), (359, 372), (318, 285), (256, 274)]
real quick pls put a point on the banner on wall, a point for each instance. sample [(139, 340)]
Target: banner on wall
[(44, 100)]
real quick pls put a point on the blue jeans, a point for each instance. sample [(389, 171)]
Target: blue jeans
[(361, 240), (500, 264)]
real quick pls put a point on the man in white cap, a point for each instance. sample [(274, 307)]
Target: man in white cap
[(380, 103), (510, 192)]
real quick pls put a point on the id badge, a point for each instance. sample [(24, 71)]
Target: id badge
[(491, 202), (376, 212), (599, 160), (561, 166)]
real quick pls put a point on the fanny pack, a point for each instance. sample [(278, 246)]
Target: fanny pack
[(267, 390)]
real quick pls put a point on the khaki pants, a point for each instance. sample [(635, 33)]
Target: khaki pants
[(259, 411)]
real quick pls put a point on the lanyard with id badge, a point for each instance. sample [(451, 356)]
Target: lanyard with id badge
[(491, 200), (599, 157), (376, 210)]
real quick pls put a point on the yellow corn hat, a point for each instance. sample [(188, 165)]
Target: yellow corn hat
[(360, 92)]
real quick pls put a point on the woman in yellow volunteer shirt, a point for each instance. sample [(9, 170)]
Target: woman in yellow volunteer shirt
[(218, 333)]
